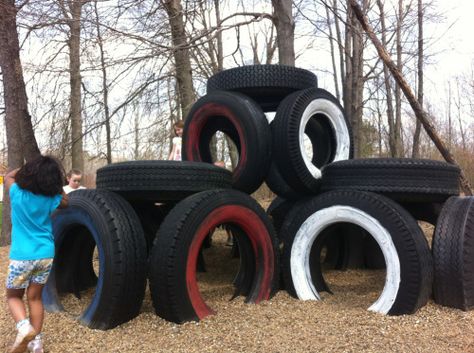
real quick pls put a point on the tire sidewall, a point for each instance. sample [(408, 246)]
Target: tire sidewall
[(252, 131), (93, 220)]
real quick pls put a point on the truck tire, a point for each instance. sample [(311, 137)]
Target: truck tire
[(173, 258), (268, 85), (453, 251), (409, 264), (242, 120), (401, 179), (161, 181), (316, 113), (102, 219)]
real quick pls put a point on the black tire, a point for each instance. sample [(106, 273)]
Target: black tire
[(453, 254), (424, 211), (278, 210), (268, 85), (151, 215), (318, 114), (161, 180), (240, 118), (278, 185), (172, 276), (102, 219), (401, 179), (408, 257)]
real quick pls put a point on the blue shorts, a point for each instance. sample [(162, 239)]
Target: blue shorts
[(23, 272)]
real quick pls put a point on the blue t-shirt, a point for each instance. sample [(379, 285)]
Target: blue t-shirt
[(32, 235)]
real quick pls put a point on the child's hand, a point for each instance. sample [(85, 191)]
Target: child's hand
[(64, 201), (10, 177)]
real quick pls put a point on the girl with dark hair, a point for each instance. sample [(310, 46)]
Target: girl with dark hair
[(35, 192)]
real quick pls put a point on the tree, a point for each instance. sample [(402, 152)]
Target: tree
[(182, 59), (105, 86), (285, 27), (416, 136), (21, 140), (420, 113), (72, 12)]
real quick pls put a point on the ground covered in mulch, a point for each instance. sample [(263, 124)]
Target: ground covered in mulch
[(338, 323)]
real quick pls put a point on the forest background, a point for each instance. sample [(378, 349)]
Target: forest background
[(106, 79)]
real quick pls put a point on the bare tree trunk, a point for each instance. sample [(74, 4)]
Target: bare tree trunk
[(388, 86), (348, 77), (398, 94), (339, 43), (285, 27), (420, 113), (181, 55), (333, 54), (75, 113), (353, 83), (449, 113), (358, 84), (416, 136), (21, 142), (220, 48), (105, 87), (462, 130), (136, 133)]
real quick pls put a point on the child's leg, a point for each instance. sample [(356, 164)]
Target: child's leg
[(15, 303), (34, 292), (35, 305)]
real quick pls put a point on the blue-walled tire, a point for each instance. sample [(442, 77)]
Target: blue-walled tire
[(103, 220)]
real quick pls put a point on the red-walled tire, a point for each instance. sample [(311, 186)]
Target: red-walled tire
[(173, 258), (244, 122)]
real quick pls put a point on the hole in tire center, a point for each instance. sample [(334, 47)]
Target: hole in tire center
[(219, 141), (218, 267), (319, 141), (223, 150), (77, 269), (352, 265)]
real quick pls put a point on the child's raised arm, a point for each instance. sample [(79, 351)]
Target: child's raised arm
[(64, 201), (10, 177)]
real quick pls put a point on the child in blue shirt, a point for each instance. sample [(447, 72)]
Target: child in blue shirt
[(35, 192)]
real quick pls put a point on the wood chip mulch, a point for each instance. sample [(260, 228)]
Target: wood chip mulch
[(338, 323)]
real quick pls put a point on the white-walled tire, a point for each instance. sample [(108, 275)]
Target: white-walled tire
[(409, 267), (316, 114)]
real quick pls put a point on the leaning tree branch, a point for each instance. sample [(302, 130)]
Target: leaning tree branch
[(420, 113)]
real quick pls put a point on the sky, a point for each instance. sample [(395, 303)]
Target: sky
[(455, 46)]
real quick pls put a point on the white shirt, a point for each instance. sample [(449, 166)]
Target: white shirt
[(67, 189)]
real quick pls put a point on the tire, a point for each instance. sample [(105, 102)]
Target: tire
[(408, 258), (278, 185), (268, 85), (316, 113), (424, 211), (241, 119), (151, 216), (453, 254), (401, 179), (278, 210), (173, 258), (161, 181), (102, 219)]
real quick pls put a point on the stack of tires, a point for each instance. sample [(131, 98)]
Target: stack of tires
[(150, 219)]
